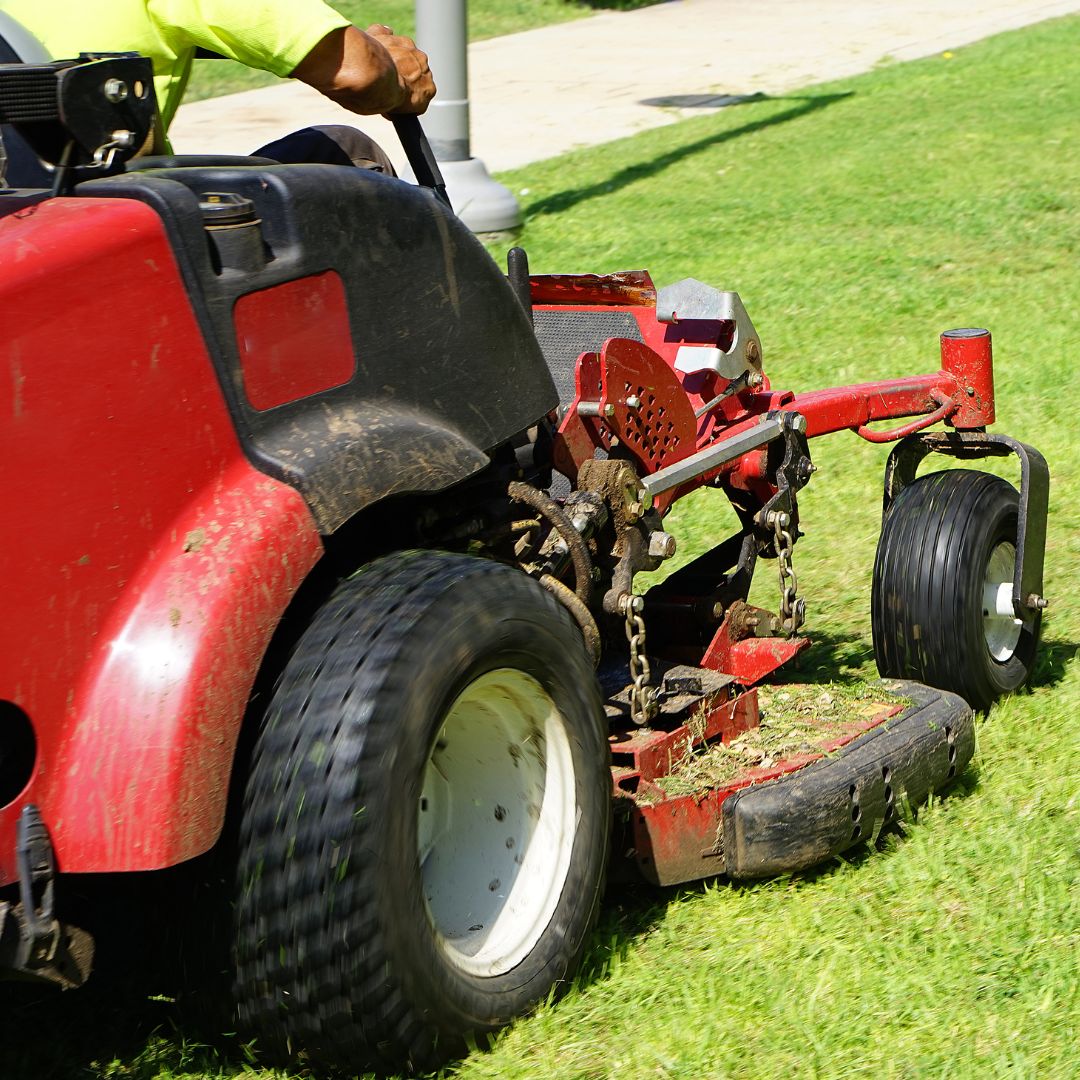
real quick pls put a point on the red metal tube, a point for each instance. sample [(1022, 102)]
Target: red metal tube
[(967, 354), (850, 407)]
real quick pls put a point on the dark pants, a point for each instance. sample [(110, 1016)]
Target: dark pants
[(330, 144)]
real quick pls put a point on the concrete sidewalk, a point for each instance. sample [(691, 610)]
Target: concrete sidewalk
[(540, 93)]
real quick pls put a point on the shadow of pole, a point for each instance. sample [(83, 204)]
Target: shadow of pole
[(564, 200)]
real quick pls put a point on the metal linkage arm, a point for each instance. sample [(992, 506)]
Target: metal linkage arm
[(713, 457)]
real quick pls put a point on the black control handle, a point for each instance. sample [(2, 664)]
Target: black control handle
[(421, 157)]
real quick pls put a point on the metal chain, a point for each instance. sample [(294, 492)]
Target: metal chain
[(642, 696), (792, 609)]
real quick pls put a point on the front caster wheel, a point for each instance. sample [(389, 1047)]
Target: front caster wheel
[(941, 605), (424, 831)]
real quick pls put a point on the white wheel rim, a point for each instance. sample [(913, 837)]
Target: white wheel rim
[(496, 822), (1001, 627)]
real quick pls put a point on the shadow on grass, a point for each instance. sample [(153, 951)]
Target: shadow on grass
[(1051, 661), (642, 170), (142, 1014), (831, 659)]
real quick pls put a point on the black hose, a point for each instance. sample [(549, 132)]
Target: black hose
[(561, 523), (570, 600)]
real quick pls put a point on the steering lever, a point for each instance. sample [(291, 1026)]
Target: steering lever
[(421, 157)]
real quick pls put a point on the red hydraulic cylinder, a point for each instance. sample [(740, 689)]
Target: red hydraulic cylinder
[(967, 354)]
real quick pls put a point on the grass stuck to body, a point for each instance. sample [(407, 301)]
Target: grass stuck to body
[(856, 220)]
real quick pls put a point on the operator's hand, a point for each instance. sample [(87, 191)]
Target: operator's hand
[(373, 71), (414, 76)]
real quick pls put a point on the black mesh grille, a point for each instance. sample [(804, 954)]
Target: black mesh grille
[(565, 335), (28, 97)]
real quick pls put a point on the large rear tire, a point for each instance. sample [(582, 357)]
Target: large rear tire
[(424, 832), (941, 605)]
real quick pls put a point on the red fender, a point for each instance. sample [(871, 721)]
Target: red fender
[(145, 563)]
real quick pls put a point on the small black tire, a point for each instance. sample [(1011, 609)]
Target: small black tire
[(944, 538), (431, 692)]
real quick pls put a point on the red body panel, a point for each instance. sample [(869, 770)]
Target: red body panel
[(145, 562), (294, 339)]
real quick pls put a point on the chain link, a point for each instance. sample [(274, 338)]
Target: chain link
[(642, 696), (792, 609)]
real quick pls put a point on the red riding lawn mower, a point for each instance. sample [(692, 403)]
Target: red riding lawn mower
[(320, 545)]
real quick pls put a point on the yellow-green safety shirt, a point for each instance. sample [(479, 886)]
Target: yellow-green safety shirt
[(274, 35)]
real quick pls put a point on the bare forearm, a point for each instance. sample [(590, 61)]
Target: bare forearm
[(372, 71)]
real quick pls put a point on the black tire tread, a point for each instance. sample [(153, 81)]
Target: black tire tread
[(926, 596), (354, 1009)]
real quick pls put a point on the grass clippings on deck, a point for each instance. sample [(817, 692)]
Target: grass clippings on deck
[(797, 719)]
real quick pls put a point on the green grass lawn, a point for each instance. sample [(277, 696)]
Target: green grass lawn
[(857, 220), (487, 18)]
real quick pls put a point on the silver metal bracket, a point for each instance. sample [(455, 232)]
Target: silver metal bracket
[(692, 300)]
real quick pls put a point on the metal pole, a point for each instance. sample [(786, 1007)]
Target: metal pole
[(482, 203), (441, 31)]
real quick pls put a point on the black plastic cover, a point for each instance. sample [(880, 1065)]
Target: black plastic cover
[(447, 367), (806, 817)]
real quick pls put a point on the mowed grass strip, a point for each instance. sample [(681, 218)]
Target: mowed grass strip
[(487, 19), (857, 220)]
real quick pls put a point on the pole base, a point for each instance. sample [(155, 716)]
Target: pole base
[(485, 205)]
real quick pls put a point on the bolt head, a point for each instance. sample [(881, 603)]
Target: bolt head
[(661, 545), (633, 402), (115, 90)]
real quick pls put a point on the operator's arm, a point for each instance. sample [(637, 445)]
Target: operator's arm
[(372, 71)]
